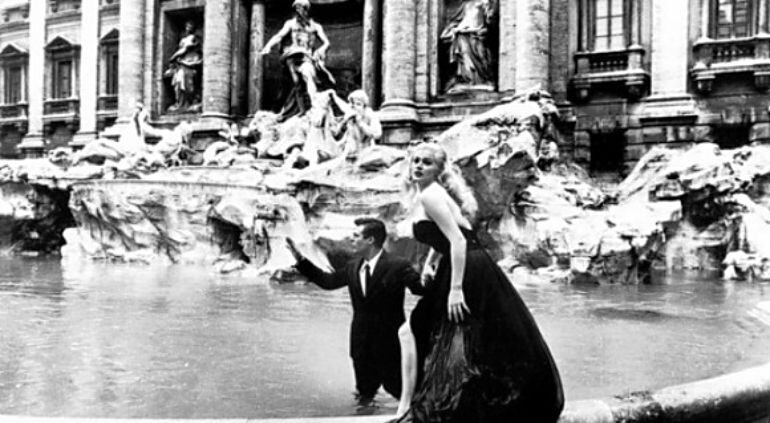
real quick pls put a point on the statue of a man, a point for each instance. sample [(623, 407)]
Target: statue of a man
[(183, 69), (466, 32), (304, 59)]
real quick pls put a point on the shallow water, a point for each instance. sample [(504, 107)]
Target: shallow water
[(99, 340)]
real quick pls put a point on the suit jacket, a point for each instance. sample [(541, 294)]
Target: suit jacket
[(378, 314)]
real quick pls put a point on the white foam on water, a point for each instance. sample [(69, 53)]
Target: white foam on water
[(761, 312)]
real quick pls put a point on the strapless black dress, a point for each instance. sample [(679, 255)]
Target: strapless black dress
[(495, 366)]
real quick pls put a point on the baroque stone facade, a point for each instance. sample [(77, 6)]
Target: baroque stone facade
[(626, 74)]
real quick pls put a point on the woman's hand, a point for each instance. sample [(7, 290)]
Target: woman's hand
[(456, 307)]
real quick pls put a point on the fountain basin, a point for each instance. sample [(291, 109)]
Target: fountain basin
[(740, 397)]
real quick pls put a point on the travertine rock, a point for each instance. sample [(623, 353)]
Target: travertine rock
[(676, 209)]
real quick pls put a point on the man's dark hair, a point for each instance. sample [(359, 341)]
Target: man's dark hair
[(372, 228)]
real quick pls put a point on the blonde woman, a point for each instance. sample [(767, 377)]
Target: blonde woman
[(471, 351)]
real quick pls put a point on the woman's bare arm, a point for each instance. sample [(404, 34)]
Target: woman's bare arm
[(435, 202)]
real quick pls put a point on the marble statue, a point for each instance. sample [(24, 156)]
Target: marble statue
[(132, 151), (467, 33), (184, 68), (360, 127), (303, 58)]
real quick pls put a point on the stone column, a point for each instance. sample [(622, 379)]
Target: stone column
[(533, 34), (217, 58), (239, 64), (132, 66), (33, 144), (762, 17), (507, 57), (257, 41), (704, 19), (583, 17), (151, 85), (635, 39), (89, 83), (398, 108), (131, 56), (370, 63), (669, 42)]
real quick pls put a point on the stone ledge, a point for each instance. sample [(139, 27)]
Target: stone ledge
[(740, 397)]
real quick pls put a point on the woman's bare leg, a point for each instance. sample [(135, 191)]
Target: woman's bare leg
[(408, 368)]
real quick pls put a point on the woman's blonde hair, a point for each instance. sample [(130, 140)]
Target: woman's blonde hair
[(450, 178)]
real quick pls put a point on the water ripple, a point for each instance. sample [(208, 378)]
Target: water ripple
[(123, 341)]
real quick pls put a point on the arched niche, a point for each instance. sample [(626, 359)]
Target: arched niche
[(342, 21)]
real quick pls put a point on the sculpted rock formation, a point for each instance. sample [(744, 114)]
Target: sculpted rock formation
[(32, 217), (702, 208)]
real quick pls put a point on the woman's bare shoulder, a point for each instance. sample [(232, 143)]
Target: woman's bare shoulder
[(435, 195)]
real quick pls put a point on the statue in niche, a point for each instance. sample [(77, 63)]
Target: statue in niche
[(304, 60), (470, 58), (184, 68)]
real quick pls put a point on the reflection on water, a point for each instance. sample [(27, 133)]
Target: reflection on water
[(122, 341)]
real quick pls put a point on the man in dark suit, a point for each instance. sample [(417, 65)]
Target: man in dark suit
[(376, 282)]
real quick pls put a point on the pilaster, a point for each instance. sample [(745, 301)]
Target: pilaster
[(398, 108), (89, 30), (669, 46), (217, 53), (370, 62), (533, 33), (508, 46), (256, 42), (33, 143), (131, 56), (132, 65)]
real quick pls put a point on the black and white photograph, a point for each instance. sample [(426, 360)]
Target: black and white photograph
[(385, 211)]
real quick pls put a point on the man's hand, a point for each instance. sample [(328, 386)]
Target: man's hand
[(293, 249), (427, 275), (319, 55), (265, 50)]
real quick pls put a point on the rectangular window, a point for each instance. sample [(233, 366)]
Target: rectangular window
[(62, 83), (13, 85), (609, 25), (111, 59), (733, 18)]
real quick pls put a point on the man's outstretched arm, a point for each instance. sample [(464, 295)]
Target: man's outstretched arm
[(324, 280), (276, 38)]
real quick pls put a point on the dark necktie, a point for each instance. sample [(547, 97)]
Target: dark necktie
[(367, 278)]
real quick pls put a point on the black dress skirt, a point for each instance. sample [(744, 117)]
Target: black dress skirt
[(495, 366)]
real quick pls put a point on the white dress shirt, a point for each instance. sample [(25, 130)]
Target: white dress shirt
[(362, 271)]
